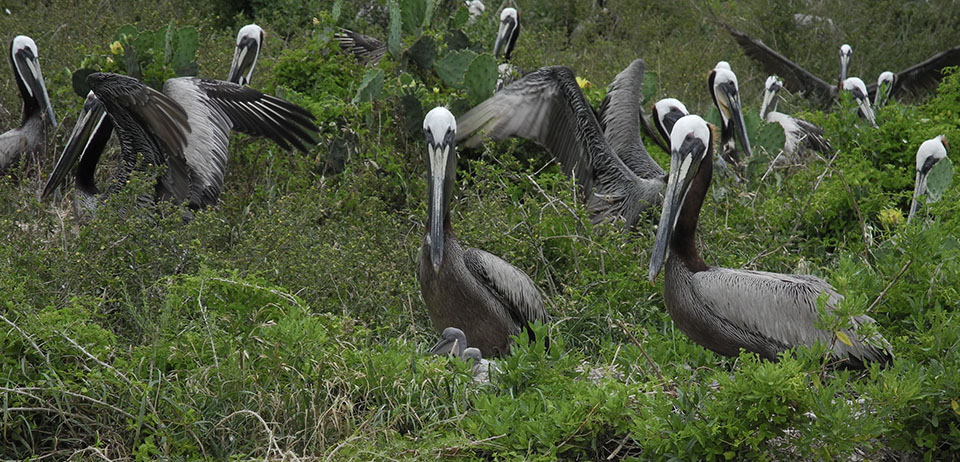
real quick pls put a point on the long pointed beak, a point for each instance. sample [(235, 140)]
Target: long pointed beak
[(29, 68), (438, 170), (919, 188), (865, 110), (767, 106), (503, 36), (86, 142), (736, 117), (244, 60), (844, 66), (678, 180), (446, 346)]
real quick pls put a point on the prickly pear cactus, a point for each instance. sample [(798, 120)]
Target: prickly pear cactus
[(939, 179), (481, 78), (370, 87), (452, 67), (395, 34)]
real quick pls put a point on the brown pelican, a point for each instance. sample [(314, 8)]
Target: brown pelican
[(921, 77), (186, 128), (475, 291), (249, 42), (726, 96), (859, 91), (799, 135), (619, 177), (884, 87), (796, 78), (37, 111), (930, 152), (506, 40), (727, 310), (475, 8), (368, 50), (666, 113)]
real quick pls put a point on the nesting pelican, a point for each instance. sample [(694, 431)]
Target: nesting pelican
[(799, 135), (884, 88), (472, 290), (727, 310), (38, 118), (930, 152), (726, 96), (606, 156), (859, 92)]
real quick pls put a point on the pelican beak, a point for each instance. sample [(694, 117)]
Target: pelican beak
[(446, 346), (863, 103), (769, 101), (731, 97), (844, 66), (919, 188), (441, 157), (28, 69), (685, 162), (505, 34), (244, 60), (86, 142)]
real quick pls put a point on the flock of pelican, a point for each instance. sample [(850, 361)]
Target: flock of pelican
[(472, 295)]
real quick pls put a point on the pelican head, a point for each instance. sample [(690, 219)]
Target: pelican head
[(726, 95), (691, 142), (249, 41), (473, 356), (929, 153), (440, 129), (859, 91), (507, 34), (90, 134), (666, 113), (26, 67), (846, 51), (884, 88), (452, 342), (771, 87)]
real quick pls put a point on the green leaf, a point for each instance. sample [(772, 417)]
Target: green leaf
[(370, 87), (651, 85), (452, 67), (412, 13), (336, 9), (712, 116), (460, 18), (394, 37), (184, 60), (939, 179), (481, 78), (843, 338)]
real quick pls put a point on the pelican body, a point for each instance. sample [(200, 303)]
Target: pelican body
[(477, 292), (605, 155), (38, 117), (928, 155), (726, 310), (726, 96), (799, 135)]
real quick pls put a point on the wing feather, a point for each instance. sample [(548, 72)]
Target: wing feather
[(620, 117), (511, 286), (368, 50), (921, 77)]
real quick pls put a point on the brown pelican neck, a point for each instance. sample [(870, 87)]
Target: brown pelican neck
[(683, 244)]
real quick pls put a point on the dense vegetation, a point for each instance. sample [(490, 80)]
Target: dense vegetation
[(286, 323)]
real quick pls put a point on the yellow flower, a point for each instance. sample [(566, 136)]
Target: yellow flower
[(583, 83), (116, 48), (890, 217), (436, 90), (316, 21)]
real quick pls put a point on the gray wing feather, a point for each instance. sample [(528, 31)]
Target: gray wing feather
[(620, 117), (923, 76), (795, 78), (366, 48), (782, 308), (547, 106), (813, 137), (511, 286)]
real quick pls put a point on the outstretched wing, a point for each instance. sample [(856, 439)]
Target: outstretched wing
[(921, 77), (366, 48), (621, 119), (795, 78), (548, 107), (783, 309)]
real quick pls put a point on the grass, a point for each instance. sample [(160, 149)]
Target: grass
[(286, 322)]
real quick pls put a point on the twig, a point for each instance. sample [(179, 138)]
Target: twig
[(26, 390), (642, 350), (27, 337), (97, 360), (889, 285)]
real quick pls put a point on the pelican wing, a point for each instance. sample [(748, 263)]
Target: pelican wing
[(795, 78), (783, 309), (813, 136), (366, 48), (621, 118), (921, 77), (548, 107), (515, 290), (257, 114)]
